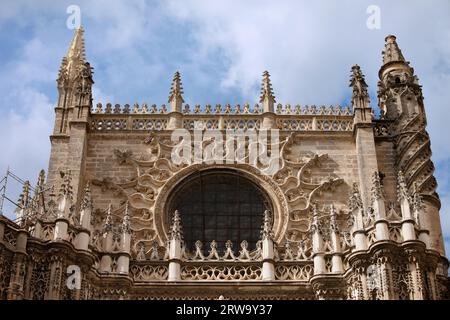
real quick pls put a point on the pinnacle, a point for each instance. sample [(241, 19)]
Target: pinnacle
[(87, 201), (76, 49), (176, 90), (24, 196), (392, 51), (266, 88), (358, 83)]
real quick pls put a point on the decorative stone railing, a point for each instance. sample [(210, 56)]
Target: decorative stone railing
[(312, 118), (225, 110)]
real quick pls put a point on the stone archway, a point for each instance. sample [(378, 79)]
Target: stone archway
[(270, 190)]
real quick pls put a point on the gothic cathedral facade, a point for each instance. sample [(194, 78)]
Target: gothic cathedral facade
[(335, 203)]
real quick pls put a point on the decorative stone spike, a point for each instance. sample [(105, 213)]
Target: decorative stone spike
[(266, 89), (126, 225), (66, 186), (354, 201), (176, 232), (358, 83), (402, 189), (24, 197), (392, 52), (333, 219), (315, 224), (266, 231), (417, 201), (108, 220), (87, 200), (176, 90), (376, 191)]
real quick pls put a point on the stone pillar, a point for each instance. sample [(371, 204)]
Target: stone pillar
[(106, 261), (64, 207), (336, 260), (82, 239), (175, 121), (356, 207), (416, 276), (176, 102), (123, 263), (317, 243), (363, 133), (378, 205), (175, 240), (408, 230), (268, 254), (16, 283), (37, 232)]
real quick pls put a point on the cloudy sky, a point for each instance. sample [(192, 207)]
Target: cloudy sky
[(221, 49)]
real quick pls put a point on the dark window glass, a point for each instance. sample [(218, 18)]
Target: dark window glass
[(221, 206)]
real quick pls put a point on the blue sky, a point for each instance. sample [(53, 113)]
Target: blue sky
[(221, 49)]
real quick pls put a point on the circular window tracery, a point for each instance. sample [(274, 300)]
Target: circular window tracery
[(219, 205)]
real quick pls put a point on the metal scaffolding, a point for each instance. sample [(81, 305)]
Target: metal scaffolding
[(4, 186)]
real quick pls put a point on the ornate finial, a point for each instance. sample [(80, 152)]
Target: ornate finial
[(266, 89), (359, 85), (417, 201), (315, 223), (76, 49), (38, 199), (333, 219), (66, 186), (176, 232), (354, 201), (377, 192), (126, 224), (109, 220), (392, 51), (87, 200), (76, 57), (266, 231), (23, 201), (176, 90), (41, 180), (402, 189)]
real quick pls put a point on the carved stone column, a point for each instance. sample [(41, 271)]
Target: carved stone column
[(123, 263), (268, 268), (176, 236), (106, 261), (408, 230), (18, 268), (336, 260)]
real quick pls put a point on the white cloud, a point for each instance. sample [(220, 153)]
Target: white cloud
[(222, 49)]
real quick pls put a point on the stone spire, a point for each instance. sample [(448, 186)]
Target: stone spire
[(87, 200), (66, 186), (76, 49), (360, 97), (266, 230), (126, 225), (354, 201), (76, 55), (38, 197), (23, 201), (176, 91), (417, 201), (333, 219), (377, 192), (267, 98), (176, 232), (402, 189), (392, 52), (108, 220), (315, 223)]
